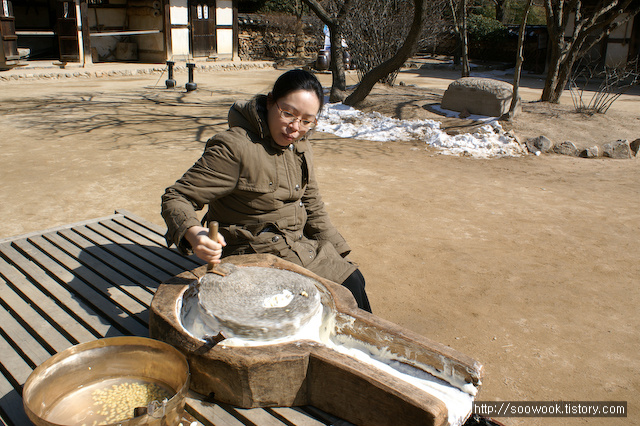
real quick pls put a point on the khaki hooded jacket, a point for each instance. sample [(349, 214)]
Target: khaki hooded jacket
[(264, 196)]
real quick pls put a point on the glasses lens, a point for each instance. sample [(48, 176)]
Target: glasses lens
[(291, 118)]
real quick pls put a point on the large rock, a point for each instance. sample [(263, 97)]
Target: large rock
[(539, 144), (635, 146), (591, 152), (566, 148), (481, 96), (619, 149)]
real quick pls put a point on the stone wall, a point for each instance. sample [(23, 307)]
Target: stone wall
[(273, 37)]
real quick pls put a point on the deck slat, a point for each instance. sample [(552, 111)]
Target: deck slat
[(171, 255), (52, 289), (30, 346), (11, 405), (120, 246), (16, 367), (83, 276), (100, 301), (259, 416), (171, 263), (45, 302), (97, 269), (212, 413), (296, 416), (25, 312), (115, 262)]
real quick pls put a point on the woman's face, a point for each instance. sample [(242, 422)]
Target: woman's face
[(288, 115)]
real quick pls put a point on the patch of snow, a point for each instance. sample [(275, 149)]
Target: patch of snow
[(487, 142)]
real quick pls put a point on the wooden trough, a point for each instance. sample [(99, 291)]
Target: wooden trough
[(306, 372)]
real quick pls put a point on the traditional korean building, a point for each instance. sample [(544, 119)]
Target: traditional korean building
[(89, 31)]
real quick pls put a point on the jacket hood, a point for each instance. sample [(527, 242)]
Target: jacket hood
[(251, 115)]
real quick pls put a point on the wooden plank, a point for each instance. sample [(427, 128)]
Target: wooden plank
[(260, 416), (132, 253), (145, 228), (116, 263), (159, 256), (30, 347), (16, 370), (324, 416), (80, 273), (295, 416), (100, 268), (38, 280), (11, 411), (42, 300), (24, 312), (171, 255), (211, 413), (54, 229), (100, 301)]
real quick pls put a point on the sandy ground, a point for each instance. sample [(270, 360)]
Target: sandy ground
[(529, 265)]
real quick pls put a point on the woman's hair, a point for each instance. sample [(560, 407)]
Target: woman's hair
[(297, 79)]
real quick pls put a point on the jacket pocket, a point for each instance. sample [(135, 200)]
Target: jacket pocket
[(259, 176), (274, 243)]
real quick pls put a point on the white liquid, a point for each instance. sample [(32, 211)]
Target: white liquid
[(321, 329)]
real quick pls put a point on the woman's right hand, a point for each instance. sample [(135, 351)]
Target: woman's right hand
[(203, 246)]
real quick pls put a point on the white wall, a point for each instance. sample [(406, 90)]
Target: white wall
[(179, 36), (224, 36)]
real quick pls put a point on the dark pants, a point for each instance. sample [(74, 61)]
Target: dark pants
[(355, 283)]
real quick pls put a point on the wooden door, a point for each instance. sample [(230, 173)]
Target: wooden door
[(67, 31), (203, 27)]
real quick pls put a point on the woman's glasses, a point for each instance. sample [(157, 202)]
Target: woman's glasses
[(290, 118)]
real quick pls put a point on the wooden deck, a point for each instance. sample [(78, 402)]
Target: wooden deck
[(95, 279)]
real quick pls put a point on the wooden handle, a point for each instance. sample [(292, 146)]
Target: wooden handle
[(213, 234), (213, 230)]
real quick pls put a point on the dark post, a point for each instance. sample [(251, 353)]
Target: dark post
[(170, 81), (191, 86)]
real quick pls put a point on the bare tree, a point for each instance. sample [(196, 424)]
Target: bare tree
[(614, 82), (519, 60), (377, 29), (589, 27), (459, 15), (333, 17), (336, 13), (394, 63)]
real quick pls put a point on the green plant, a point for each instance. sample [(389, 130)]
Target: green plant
[(485, 29)]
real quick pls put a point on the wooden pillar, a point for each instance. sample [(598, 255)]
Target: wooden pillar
[(86, 34), (166, 28), (236, 32)]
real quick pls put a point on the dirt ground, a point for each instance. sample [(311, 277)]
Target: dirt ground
[(530, 264)]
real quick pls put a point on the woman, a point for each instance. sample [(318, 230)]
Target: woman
[(258, 181)]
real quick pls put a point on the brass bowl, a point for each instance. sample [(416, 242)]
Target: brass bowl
[(82, 384)]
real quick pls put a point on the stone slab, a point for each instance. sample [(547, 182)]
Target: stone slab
[(481, 96)]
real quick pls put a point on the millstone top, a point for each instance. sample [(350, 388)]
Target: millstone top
[(259, 303)]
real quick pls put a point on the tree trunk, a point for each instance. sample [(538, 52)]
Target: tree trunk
[(466, 69), (339, 84), (406, 50), (519, 60), (499, 10), (599, 22)]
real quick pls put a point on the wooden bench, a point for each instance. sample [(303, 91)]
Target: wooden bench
[(95, 279)]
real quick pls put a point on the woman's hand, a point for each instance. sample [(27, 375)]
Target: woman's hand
[(203, 246)]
